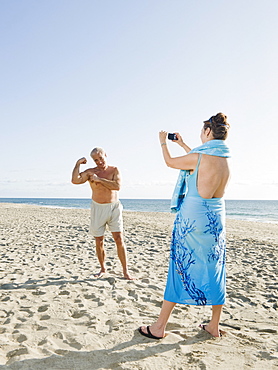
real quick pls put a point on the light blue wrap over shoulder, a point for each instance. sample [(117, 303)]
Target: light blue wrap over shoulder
[(213, 147)]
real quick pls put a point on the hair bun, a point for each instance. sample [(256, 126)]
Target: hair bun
[(218, 125), (219, 120)]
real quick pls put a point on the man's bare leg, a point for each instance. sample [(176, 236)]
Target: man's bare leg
[(119, 240), (100, 255), (213, 326), (158, 328)]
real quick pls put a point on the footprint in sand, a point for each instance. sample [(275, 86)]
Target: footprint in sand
[(58, 335), (22, 319), (64, 292), (90, 296), (43, 308), (17, 352), (147, 281), (39, 292), (45, 317), (27, 310), (42, 342), (5, 299), (132, 293), (21, 338), (119, 298), (77, 314), (73, 343)]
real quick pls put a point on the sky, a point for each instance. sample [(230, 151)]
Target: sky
[(76, 74)]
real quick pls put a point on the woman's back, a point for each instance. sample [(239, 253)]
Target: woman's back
[(211, 176)]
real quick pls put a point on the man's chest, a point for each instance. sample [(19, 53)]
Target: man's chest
[(104, 174)]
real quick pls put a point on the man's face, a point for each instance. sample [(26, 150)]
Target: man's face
[(100, 160)]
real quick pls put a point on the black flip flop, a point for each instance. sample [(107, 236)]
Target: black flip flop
[(148, 334), (202, 326)]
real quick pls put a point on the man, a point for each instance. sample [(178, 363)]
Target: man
[(106, 209)]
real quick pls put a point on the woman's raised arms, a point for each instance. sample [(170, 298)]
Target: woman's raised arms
[(185, 162)]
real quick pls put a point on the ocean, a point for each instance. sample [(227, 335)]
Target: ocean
[(251, 210)]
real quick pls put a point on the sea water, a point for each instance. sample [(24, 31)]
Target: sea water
[(252, 210)]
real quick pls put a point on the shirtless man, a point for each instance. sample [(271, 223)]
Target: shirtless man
[(106, 209)]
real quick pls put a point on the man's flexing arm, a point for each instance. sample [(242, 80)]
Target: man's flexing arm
[(77, 177)]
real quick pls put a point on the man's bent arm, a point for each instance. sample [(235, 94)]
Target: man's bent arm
[(114, 184), (77, 177)]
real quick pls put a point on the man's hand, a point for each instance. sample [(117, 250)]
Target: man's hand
[(82, 160), (94, 178)]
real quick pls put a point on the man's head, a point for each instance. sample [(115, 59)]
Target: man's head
[(99, 157)]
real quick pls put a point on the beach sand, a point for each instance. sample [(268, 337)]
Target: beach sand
[(55, 315)]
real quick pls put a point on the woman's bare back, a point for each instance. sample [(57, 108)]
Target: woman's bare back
[(213, 176)]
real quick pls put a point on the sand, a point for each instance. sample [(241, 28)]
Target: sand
[(55, 315)]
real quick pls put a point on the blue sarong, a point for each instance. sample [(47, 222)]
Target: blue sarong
[(197, 273)]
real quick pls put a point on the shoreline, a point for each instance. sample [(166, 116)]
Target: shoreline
[(275, 222), (55, 314)]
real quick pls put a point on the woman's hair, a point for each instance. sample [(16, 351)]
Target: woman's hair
[(218, 125)]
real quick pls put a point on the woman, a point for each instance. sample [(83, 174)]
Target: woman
[(197, 273)]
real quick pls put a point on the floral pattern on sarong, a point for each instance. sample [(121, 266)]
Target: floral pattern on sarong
[(215, 228), (184, 258)]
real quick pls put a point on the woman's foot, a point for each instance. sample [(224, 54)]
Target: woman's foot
[(152, 331), (214, 332)]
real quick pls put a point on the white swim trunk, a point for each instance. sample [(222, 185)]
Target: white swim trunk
[(109, 214)]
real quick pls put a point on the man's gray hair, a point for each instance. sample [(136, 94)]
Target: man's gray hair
[(97, 150)]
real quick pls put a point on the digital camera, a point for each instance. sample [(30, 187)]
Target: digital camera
[(172, 137)]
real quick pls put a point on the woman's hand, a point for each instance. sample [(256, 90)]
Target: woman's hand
[(179, 140), (181, 143), (162, 137)]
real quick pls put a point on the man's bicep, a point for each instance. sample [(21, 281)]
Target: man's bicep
[(83, 177)]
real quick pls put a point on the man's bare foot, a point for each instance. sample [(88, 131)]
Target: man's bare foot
[(128, 277), (99, 274)]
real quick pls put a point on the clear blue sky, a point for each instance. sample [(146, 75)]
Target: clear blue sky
[(112, 73)]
